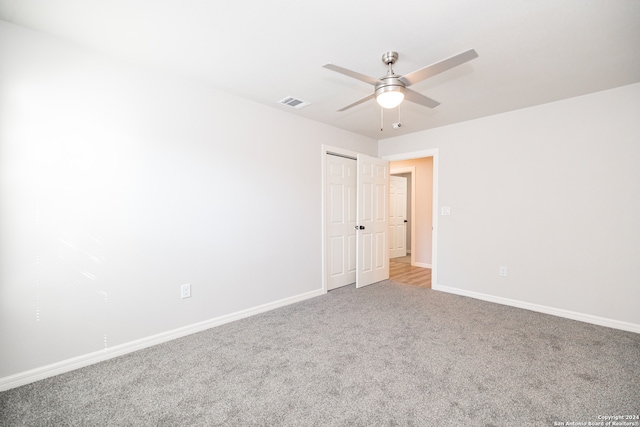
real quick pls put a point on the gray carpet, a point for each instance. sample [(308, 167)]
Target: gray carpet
[(384, 355)]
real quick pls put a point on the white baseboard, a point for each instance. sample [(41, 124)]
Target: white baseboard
[(68, 365), (582, 317), (421, 264)]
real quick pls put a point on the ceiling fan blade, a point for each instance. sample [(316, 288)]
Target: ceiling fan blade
[(355, 75), (360, 101), (418, 98), (438, 67)]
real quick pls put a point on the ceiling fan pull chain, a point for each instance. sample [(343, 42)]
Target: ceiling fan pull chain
[(381, 119)]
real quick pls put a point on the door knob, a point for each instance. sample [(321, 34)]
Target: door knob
[(405, 220), (359, 227)]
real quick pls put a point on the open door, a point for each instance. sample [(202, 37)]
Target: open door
[(372, 227)]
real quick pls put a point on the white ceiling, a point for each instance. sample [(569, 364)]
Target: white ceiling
[(531, 51)]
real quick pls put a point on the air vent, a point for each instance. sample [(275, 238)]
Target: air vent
[(292, 102)]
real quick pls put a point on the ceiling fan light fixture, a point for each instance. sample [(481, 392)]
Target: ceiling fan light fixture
[(391, 89), (390, 96)]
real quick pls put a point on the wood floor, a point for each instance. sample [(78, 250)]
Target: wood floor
[(405, 273)]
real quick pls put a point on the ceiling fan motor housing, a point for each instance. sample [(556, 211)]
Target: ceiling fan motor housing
[(390, 84), (389, 57)]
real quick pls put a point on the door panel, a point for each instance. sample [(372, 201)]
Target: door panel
[(373, 222), (337, 254), (341, 221), (381, 253)]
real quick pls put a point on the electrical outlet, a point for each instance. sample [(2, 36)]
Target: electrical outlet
[(503, 271), (185, 291)]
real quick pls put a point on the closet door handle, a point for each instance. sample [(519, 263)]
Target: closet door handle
[(359, 227)]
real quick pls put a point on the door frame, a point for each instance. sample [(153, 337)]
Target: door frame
[(412, 171), (434, 237)]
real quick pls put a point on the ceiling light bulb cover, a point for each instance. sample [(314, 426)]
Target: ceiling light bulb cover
[(390, 98)]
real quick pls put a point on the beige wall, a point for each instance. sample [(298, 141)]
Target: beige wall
[(423, 207)]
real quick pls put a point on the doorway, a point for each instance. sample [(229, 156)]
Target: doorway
[(423, 216), (420, 214), (414, 269)]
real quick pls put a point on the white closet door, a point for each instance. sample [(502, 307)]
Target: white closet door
[(341, 221)]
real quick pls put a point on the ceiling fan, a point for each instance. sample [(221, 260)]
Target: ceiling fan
[(392, 89)]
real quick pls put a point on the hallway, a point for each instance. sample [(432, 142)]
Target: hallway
[(401, 270)]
